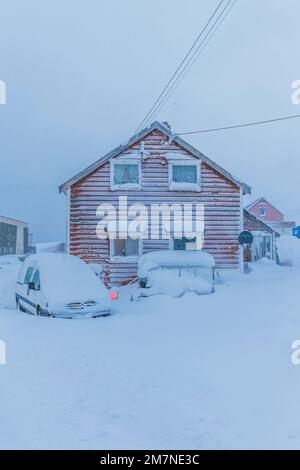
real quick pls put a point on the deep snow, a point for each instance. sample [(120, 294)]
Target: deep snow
[(201, 372)]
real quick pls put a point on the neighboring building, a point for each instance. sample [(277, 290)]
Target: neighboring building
[(267, 213), (264, 239), (154, 167), (50, 247), (13, 236)]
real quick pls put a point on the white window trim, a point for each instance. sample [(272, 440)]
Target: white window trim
[(124, 259), (125, 186), (185, 186)]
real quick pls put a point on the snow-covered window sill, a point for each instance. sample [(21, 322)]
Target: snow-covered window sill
[(124, 259), (126, 187), (185, 187)]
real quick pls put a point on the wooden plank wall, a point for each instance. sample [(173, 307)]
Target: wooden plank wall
[(220, 196)]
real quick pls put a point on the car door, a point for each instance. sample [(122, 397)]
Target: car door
[(34, 294), (24, 291)]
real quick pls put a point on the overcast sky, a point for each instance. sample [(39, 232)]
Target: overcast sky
[(81, 74)]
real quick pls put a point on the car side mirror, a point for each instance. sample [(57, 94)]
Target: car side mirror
[(31, 286)]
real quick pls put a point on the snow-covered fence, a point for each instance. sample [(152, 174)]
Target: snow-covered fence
[(2, 353)]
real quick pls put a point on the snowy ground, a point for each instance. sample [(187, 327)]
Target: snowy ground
[(196, 372)]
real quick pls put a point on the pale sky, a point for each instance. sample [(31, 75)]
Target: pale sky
[(81, 75)]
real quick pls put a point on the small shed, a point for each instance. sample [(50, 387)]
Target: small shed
[(264, 239)]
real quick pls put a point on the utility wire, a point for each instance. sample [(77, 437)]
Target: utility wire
[(180, 65), (189, 65), (238, 126)]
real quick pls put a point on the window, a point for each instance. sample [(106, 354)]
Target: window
[(185, 244), (28, 275), (262, 211), (185, 176), (36, 280), (125, 175), (125, 248)]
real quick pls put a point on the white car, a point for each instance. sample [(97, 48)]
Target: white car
[(60, 285)]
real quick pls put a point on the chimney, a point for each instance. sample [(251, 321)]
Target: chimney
[(166, 124)]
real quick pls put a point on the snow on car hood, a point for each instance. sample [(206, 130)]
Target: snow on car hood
[(169, 283), (167, 258)]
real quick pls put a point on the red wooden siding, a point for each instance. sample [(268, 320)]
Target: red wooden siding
[(220, 196), (271, 213)]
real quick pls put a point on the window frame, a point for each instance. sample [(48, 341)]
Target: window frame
[(37, 286), (184, 186), (172, 243), (125, 186), (124, 259)]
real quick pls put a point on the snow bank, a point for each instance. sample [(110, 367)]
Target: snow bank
[(8, 279), (171, 258), (166, 282), (288, 249)]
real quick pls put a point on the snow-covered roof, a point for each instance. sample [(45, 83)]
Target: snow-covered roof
[(4, 218), (49, 247), (249, 217), (139, 135), (173, 258)]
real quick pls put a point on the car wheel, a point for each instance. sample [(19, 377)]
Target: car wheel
[(41, 312)]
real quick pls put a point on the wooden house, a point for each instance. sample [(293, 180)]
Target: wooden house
[(266, 212), (154, 166)]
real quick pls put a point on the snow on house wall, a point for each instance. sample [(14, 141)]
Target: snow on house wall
[(220, 196)]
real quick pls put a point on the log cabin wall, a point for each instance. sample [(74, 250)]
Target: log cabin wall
[(222, 199)]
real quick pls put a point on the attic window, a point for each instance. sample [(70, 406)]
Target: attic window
[(125, 175), (262, 211), (184, 176)]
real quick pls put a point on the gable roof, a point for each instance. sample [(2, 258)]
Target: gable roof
[(262, 199), (252, 218), (139, 135)]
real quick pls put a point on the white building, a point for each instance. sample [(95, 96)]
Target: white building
[(13, 236)]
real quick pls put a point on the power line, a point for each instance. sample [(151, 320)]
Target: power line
[(189, 65), (180, 65), (238, 126)]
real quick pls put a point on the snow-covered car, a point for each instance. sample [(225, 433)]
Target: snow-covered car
[(174, 273), (60, 285), (11, 260)]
